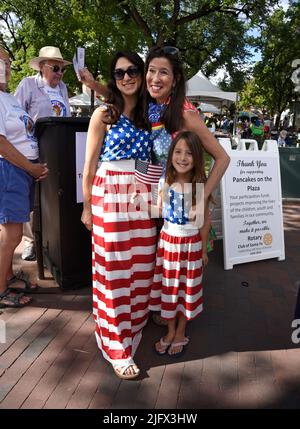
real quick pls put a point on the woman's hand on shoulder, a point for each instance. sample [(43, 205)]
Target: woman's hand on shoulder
[(110, 113)]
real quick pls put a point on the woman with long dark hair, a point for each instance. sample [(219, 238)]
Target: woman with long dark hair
[(124, 240), (170, 112)]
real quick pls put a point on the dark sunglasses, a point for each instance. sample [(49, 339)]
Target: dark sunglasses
[(56, 68), (132, 71)]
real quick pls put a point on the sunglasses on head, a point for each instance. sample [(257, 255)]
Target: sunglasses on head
[(132, 71), (56, 68), (171, 50)]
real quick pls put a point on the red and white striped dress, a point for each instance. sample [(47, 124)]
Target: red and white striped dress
[(124, 244), (177, 283)]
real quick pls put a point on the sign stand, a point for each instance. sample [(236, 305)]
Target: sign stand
[(252, 220)]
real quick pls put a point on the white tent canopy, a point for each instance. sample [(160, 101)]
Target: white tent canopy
[(209, 108), (199, 87), (82, 100)]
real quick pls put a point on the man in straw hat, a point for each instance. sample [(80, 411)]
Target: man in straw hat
[(40, 96)]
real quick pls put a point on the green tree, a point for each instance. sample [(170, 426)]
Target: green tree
[(272, 87), (209, 34)]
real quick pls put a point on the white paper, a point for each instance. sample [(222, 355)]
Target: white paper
[(2, 72), (78, 61)]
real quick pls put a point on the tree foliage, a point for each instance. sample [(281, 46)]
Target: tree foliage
[(209, 33), (272, 88)]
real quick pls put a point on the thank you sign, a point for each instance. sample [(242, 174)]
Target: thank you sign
[(251, 204)]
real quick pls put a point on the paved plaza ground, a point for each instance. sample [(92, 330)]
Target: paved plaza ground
[(241, 354)]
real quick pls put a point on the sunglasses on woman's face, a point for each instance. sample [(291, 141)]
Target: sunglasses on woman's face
[(132, 71), (56, 68)]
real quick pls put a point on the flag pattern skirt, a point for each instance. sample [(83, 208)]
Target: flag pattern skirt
[(123, 254), (177, 283)]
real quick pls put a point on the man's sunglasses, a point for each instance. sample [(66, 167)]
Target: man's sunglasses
[(132, 71), (56, 68)]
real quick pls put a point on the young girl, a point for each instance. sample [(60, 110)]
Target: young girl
[(182, 248)]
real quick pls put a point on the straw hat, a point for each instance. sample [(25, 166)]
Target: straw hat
[(47, 53)]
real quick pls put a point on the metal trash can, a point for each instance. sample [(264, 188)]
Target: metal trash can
[(66, 243), (290, 171)]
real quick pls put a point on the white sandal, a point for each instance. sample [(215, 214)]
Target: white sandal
[(121, 369)]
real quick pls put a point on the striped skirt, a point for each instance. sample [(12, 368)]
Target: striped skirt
[(177, 283), (124, 245)]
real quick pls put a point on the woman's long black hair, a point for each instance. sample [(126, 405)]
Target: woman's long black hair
[(140, 116), (172, 117)]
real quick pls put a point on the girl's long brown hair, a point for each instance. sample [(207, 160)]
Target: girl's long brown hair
[(198, 172)]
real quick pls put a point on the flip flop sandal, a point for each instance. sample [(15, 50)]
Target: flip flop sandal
[(12, 300), (120, 372), (163, 344), (29, 287), (183, 344)]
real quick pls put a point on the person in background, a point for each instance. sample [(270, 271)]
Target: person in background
[(42, 95), (282, 138), (19, 169)]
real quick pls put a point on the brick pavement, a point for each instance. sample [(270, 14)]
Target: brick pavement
[(241, 354)]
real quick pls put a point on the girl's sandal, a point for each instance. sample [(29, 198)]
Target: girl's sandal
[(121, 369), (181, 344), (164, 347)]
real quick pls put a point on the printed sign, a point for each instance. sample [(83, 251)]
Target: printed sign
[(252, 204), (80, 156)]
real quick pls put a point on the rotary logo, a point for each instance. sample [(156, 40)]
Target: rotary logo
[(29, 126), (267, 239), (59, 109)]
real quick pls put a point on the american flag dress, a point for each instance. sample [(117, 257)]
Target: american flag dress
[(123, 244), (177, 283)]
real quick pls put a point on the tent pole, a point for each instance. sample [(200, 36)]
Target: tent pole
[(235, 114)]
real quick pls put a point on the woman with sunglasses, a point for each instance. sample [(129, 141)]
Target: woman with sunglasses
[(44, 94), (124, 240)]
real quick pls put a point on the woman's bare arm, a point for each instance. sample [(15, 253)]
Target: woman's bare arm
[(96, 132)]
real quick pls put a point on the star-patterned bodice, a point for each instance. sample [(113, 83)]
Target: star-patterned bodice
[(124, 141), (161, 138), (176, 209)]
